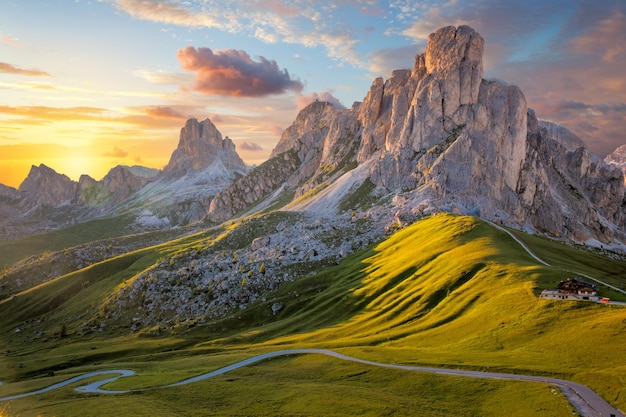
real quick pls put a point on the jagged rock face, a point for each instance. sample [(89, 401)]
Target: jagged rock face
[(45, 186), (319, 146), (8, 192), (121, 182), (442, 126), (253, 187), (200, 145), (618, 158), (562, 135), (565, 190), (442, 134)]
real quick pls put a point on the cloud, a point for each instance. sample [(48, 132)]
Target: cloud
[(163, 77), (116, 153), (276, 130), (233, 73), (310, 24), (250, 146), (601, 39), (12, 69), (165, 112), (10, 40), (54, 113), (303, 100), (170, 13)]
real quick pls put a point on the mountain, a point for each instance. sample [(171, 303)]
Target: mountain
[(617, 158), (201, 165), (200, 146), (439, 137), (336, 242), (44, 186)]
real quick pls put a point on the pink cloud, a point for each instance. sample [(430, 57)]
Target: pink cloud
[(165, 112), (303, 100), (233, 73), (602, 38), (12, 69), (10, 40)]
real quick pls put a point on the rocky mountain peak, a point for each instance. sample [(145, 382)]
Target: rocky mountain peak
[(441, 138), (617, 157), (302, 132), (455, 55), (200, 145), (43, 185)]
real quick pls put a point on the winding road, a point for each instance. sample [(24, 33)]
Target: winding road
[(585, 400)]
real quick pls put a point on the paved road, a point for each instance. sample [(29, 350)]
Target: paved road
[(585, 400)]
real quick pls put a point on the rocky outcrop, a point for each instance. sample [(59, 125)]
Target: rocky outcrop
[(319, 146), (44, 186), (8, 192), (562, 135), (254, 187), (121, 182), (618, 158), (200, 145)]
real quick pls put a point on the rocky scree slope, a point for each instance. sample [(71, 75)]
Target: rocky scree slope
[(439, 137)]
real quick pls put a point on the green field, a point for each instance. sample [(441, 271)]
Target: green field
[(447, 291)]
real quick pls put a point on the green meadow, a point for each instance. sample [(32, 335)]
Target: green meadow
[(448, 291)]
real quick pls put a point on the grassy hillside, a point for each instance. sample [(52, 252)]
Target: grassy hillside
[(13, 251), (447, 291)]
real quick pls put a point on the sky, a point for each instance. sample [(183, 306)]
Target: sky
[(88, 85)]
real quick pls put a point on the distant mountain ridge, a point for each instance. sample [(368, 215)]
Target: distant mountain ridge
[(437, 137), (201, 165)]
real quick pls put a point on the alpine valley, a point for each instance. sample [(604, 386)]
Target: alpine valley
[(417, 227)]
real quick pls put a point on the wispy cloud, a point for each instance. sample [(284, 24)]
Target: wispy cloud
[(311, 24), (7, 68), (249, 146), (163, 77), (233, 73), (165, 112), (10, 40), (170, 12), (116, 153), (54, 113), (602, 39)]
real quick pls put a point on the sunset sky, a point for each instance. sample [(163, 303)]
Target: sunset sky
[(87, 85)]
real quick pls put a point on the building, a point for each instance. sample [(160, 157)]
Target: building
[(573, 289)]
